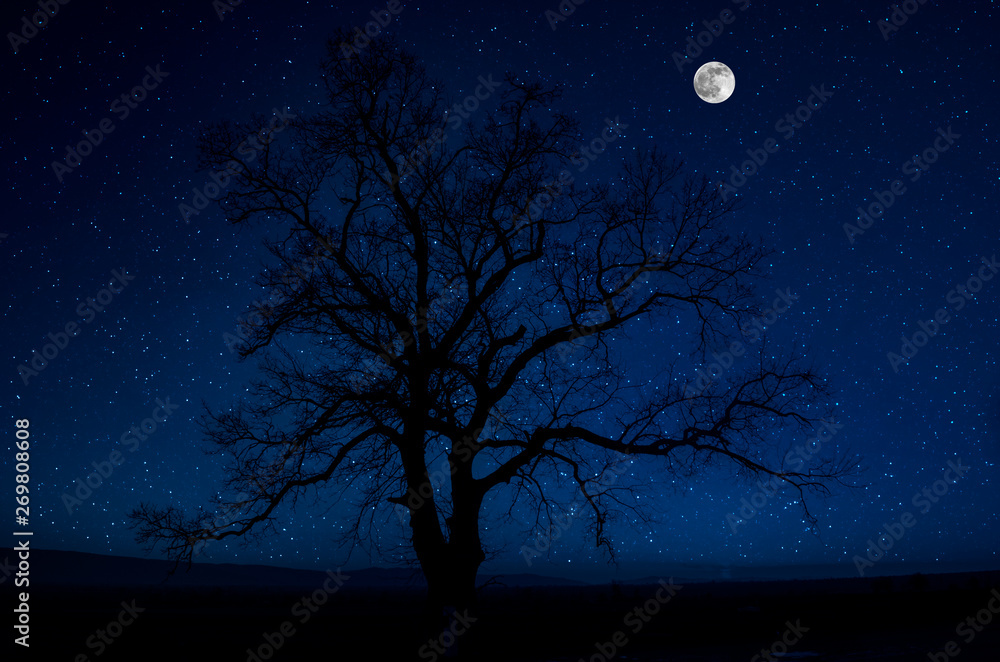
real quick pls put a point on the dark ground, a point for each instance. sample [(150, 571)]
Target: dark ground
[(886, 619)]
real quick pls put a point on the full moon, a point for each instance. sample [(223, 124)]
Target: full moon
[(714, 82)]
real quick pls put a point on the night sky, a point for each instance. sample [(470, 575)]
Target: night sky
[(924, 91)]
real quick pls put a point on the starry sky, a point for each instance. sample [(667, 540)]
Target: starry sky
[(891, 94)]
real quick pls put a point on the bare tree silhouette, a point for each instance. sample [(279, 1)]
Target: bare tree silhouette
[(471, 302)]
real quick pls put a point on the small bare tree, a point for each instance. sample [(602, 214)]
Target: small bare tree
[(471, 301)]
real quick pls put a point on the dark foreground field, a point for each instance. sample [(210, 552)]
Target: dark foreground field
[(902, 618)]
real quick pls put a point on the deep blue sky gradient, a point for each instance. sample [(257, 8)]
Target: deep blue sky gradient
[(162, 336)]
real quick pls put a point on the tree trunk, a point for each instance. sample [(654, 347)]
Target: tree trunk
[(450, 568), (452, 600)]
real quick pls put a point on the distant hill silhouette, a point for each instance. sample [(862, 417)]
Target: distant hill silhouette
[(65, 568)]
